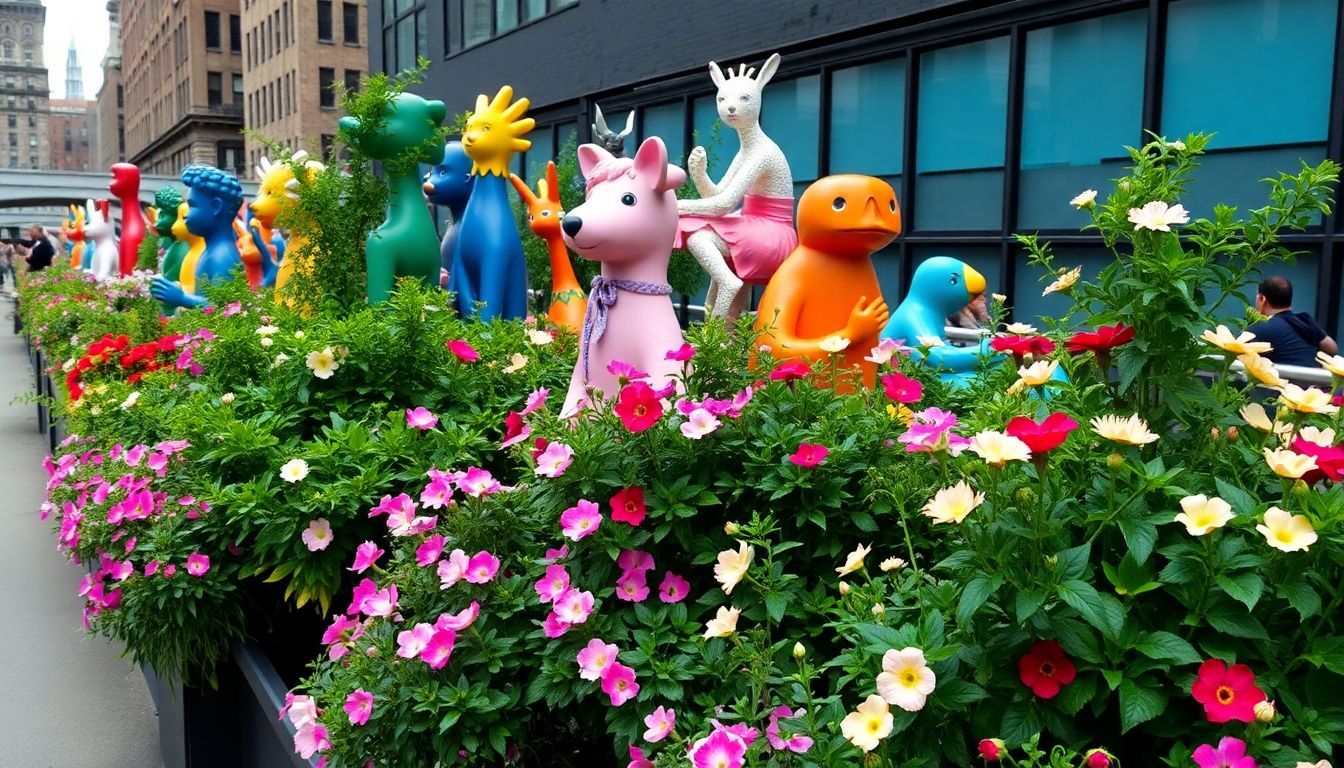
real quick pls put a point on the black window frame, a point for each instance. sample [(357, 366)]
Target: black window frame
[(214, 89), (326, 25), (350, 32), (235, 33), (454, 21), (213, 29), (326, 77)]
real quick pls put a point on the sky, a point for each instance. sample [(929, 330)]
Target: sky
[(86, 21)]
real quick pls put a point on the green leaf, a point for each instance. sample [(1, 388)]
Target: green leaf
[(1164, 646), (1245, 587), (1101, 611), (1076, 694), (1020, 722), (1302, 597), (1140, 536), (975, 594), (1241, 502), (776, 604), (956, 694), (1027, 604), (1138, 704), (1232, 619)]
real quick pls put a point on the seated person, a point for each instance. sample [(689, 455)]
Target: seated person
[(1296, 336), (973, 316)]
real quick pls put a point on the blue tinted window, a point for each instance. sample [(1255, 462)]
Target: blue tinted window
[(568, 133), (1066, 149), (868, 119), (666, 121), (1027, 303), (1254, 71), (542, 151), (719, 141), (963, 101), (796, 109)]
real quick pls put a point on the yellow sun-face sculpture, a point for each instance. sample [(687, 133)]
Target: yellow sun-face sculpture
[(495, 131)]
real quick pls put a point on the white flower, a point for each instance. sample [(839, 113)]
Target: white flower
[(1064, 282), (906, 680), (226, 398), (999, 297), (294, 470), (516, 363), (267, 341), (723, 624), (280, 359), (892, 564), (854, 561), (538, 338), (929, 341), (1158, 217), (834, 344), (130, 400), (299, 334), (1086, 199), (267, 330), (1177, 145), (323, 364), (1020, 329)]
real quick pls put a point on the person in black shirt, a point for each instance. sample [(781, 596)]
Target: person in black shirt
[(40, 252), (1296, 336)]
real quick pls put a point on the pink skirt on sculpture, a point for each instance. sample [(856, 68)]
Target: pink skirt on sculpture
[(759, 237)]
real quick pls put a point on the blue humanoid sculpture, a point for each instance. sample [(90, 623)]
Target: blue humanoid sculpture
[(449, 184), (213, 199)]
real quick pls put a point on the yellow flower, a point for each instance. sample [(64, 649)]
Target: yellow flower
[(1254, 414), (1262, 369), (1020, 329), (1064, 282), (1332, 363), (1309, 400), (1086, 199), (1038, 372), (855, 560), (1237, 345), (732, 566), (868, 725), (952, 505), (516, 363), (1202, 514), (1287, 532), (1130, 431), (1286, 463), (294, 470), (723, 624), (892, 564), (323, 364), (1322, 437), (998, 449), (834, 344)]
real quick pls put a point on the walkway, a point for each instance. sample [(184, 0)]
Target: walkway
[(66, 700)]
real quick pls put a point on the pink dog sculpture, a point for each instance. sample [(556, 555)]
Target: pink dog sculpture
[(627, 223)]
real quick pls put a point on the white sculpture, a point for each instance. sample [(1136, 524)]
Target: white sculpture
[(608, 139), (746, 246), (100, 235)]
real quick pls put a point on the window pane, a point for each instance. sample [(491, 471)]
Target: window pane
[(1027, 303), (350, 22), (1303, 274), (506, 15), (542, 151), (421, 35), (1066, 149), (708, 131), (390, 50), (666, 121), (567, 133), (406, 44), (868, 119), (1231, 64), (796, 106), (963, 101), (475, 21), (533, 9)]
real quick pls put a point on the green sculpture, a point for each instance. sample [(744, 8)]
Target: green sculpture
[(166, 201), (406, 244)]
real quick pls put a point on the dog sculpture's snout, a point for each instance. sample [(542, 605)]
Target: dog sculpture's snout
[(571, 225)]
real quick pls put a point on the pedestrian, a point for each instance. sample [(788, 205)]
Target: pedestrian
[(1295, 336), (39, 251)]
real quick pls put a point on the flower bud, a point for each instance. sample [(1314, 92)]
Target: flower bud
[(991, 750), (1233, 433), (1301, 489), (872, 760), (799, 651), (1051, 561), (1115, 460), (1097, 758), (1024, 495), (1215, 433), (226, 398), (844, 588), (1265, 712), (878, 610), (731, 528)]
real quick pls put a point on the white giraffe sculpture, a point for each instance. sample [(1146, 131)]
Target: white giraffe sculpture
[(748, 245), (100, 235)]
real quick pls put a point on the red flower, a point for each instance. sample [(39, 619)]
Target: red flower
[(513, 427), (1042, 437), (1227, 693), (902, 388), (790, 370), (809, 454), (1103, 339), (638, 406), (1045, 669), (991, 750), (539, 447), (1019, 346), (463, 351), (627, 506), (1329, 460)]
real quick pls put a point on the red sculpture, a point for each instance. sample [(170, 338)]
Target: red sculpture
[(125, 185)]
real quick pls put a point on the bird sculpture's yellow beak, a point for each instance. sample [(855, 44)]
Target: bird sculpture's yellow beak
[(975, 282)]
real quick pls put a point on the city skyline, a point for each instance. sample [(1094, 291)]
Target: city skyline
[(90, 36)]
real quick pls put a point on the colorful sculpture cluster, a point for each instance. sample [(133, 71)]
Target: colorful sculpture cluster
[(213, 198), (544, 213), (276, 195)]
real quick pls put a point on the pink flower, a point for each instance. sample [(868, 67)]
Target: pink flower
[(625, 372), (363, 591), (580, 520), (403, 521), (931, 430), (681, 354), (1231, 753), (699, 423), (358, 706), (437, 494), (453, 569), (595, 658), (197, 564), (515, 431), (366, 554), (633, 586), (311, 739), (317, 536), (421, 418), (554, 460), (638, 759), (460, 620), (534, 401), (341, 631), (482, 567), (660, 723), (790, 370), (463, 351), (380, 603), (121, 571), (809, 454), (554, 584), (742, 731), (440, 648), (553, 627), (720, 749), (902, 388), (429, 550), (412, 641), (634, 560), (574, 607), (792, 741), (302, 710), (556, 555), (674, 588), (638, 406), (158, 462), (618, 682), (478, 482)]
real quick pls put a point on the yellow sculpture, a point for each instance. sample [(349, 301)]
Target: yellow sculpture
[(276, 195), (75, 233), (186, 275)]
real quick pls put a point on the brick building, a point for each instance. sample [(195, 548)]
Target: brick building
[(71, 132), (183, 83), (294, 52), (24, 139), (111, 119)]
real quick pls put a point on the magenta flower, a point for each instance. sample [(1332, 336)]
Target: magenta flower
[(625, 372), (931, 430), (463, 351), (634, 560), (638, 759), (453, 569), (674, 588), (595, 658), (358, 706), (1231, 753), (437, 494), (121, 571), (660, 724), (412, 641), (556, 555), (681, 354), (534, 401), (553, 627), (515, 431), (429, 550), (902, 388), (791, 742), (197, 564), (477, 482), (741, 730), (720, 749), (460, 620), (366, 554), (363, 591), (580, 520), (618, 682), (633, 586), (342, 631), (699, 423), (554, 460), (809, 454), (574, 607), (311, 739), (402, 520), (317, 536), (554, 584), (421, 418), (482, 567), (381, 603), (440, 648)]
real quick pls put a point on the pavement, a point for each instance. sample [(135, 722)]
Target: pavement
[(67, 700)]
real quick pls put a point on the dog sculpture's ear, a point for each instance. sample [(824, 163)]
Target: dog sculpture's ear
[(590, 155), (651, 166)]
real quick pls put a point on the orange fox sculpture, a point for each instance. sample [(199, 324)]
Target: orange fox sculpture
[(543, 218)]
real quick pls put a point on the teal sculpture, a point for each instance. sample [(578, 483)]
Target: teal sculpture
[(941, 286)]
